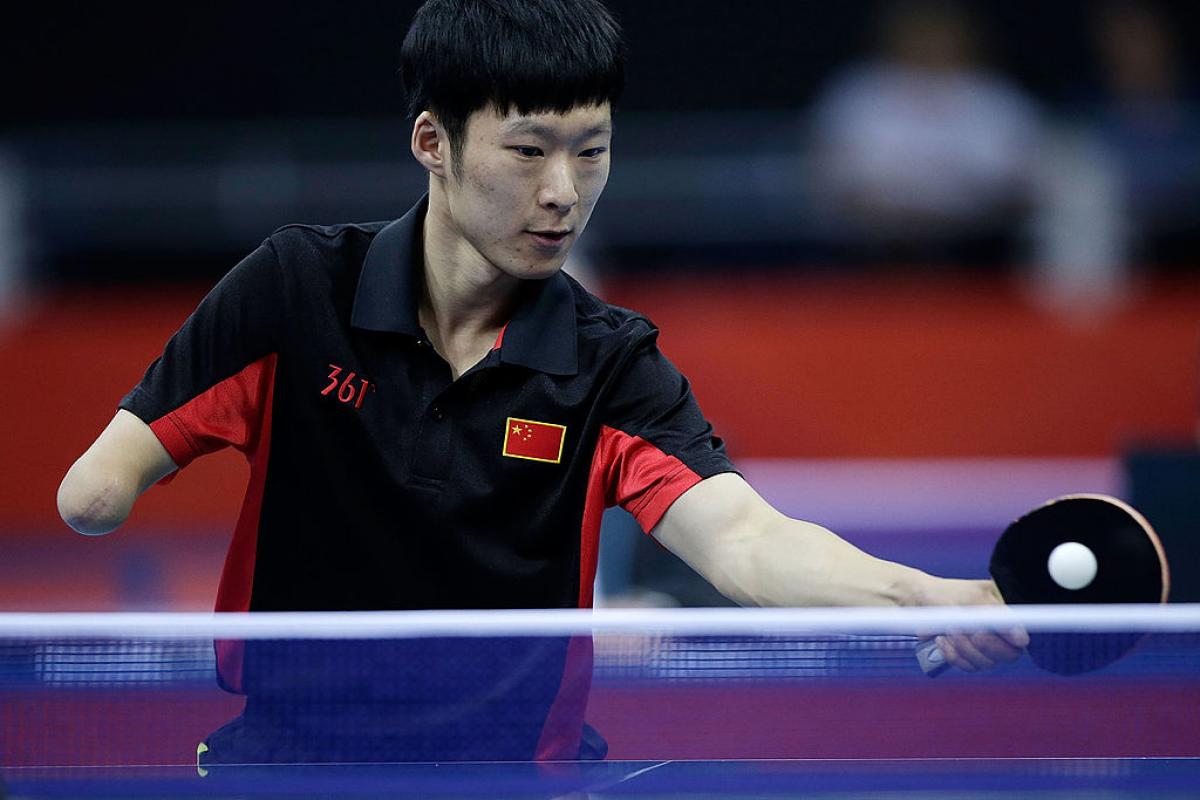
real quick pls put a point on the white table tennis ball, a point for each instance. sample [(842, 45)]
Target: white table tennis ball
[(1072, 565)]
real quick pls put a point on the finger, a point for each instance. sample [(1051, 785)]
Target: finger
[(950, 654), (1017, 637), (990, 593), (995, 646), (966, 655)]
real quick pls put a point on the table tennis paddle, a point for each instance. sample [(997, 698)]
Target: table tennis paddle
[(1129, 567)]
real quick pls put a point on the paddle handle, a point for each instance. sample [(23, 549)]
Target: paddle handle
[(931, 658)]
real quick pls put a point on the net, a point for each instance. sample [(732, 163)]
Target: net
[(113, 690)]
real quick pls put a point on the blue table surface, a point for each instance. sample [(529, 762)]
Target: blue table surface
[(1103, 777)]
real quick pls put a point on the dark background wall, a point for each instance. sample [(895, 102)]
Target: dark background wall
[(69, 62)]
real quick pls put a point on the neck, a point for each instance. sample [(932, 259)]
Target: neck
[(464, 294), (466, 299)]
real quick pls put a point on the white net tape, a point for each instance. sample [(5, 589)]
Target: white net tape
[(558, 622)]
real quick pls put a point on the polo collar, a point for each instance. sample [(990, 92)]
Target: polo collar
[(541, 334)]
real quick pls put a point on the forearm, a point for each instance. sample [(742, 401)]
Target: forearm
[(786, 562), (755, 555)]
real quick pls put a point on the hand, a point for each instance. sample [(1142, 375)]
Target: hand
[(972, 652)]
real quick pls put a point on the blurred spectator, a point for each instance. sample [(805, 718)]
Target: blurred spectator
[(922, 154), (1151, 126)]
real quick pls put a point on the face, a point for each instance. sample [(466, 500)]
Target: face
[(524, 186)]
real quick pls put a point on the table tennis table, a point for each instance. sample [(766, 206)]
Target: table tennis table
[(1108, 778)]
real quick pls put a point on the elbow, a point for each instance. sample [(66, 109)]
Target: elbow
[(92, 507)]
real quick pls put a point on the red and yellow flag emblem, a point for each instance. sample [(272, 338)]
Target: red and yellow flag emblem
[(536, 441)]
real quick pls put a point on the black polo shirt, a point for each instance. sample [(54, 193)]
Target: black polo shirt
[(377, 481)]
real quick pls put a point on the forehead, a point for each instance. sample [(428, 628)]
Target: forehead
[(579, 122)]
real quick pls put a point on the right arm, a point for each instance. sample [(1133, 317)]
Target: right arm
[(203, 374), (98, 491)]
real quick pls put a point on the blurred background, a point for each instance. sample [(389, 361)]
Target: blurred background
[(927, 264)]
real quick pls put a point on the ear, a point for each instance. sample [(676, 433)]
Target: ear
[(430, 145)]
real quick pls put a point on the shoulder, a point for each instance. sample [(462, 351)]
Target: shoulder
[(857, 84), (1005, 101), (322, 261), (347, 241), (600, 322)]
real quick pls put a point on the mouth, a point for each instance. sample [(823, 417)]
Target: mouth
[(550, 238)]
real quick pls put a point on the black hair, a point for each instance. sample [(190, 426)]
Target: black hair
[(536, 56)]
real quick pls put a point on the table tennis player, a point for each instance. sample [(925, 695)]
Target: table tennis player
[(435, 414)]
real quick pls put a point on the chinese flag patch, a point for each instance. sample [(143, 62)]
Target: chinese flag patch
[(536, 441)]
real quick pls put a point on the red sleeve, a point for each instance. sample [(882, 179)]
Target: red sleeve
[(229, 413), (656, 444), (207, 389)]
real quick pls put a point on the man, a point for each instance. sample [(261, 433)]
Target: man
[(436, 416)]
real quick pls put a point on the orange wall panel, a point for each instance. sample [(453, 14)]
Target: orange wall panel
[(785, 367), (828, 368)]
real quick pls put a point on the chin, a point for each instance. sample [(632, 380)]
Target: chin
[(537, 270), (540, 272)]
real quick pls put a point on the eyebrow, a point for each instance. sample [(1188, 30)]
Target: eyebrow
[(546, 132)]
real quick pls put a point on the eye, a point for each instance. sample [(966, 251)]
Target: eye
[(594, 152), (527, 151)]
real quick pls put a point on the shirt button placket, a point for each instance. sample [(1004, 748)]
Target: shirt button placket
[(434, 453)]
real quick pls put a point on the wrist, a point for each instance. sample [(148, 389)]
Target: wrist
[(912, 587)]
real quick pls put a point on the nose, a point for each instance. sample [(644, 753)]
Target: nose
[(558, 187)]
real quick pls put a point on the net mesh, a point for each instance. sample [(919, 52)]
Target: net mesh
[(654, 686)]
